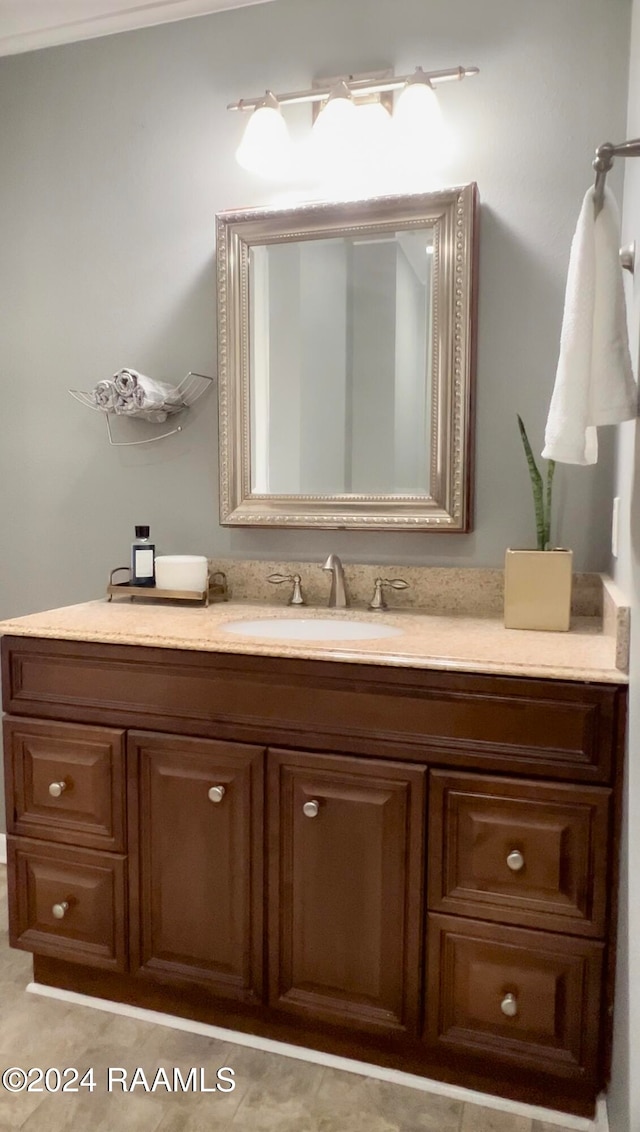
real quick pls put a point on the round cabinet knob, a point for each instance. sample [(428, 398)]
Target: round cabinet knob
[(310, 809), (515, 861), (57, 788), (216, 793), (60, 910), (509, 1005)]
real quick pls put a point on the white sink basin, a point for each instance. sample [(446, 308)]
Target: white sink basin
[(311, 629)]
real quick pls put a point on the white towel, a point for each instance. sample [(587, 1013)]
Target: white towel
[(104, 395), (142, 392), (594, 381), (125, 381)]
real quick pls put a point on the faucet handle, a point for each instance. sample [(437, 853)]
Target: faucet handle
[(297, 597), (378, 601)]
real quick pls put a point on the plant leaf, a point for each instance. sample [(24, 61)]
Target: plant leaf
[(551, 467), (536, 487)]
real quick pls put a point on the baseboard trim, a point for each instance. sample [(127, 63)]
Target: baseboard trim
[(364, 1069), (601, 1122), (3, 848)]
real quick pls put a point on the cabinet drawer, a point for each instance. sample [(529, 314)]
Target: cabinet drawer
[(519, 852), (65, 782), (67, 903), (524, 997)]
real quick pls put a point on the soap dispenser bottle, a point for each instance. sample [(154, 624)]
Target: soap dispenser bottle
[(143, 554)]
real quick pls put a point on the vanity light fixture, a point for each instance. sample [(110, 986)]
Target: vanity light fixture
[(266, 146)]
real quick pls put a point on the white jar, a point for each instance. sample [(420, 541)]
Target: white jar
[(181, 572)]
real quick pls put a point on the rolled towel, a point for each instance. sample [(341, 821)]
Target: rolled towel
[(104, 395), (127, 406), (125, 380), (124, 404), (159, 393), (133, 394), (147, 393)]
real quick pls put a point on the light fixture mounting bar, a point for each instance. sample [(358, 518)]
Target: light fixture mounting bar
[(357, 86)]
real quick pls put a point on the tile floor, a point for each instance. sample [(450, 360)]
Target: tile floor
[(272, 1094)]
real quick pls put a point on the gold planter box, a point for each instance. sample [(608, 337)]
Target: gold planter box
[(537, 589)]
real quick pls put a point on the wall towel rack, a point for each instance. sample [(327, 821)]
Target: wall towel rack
[(180, 397)]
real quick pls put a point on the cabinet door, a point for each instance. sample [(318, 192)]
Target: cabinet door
[(345, 889), (200, 861)]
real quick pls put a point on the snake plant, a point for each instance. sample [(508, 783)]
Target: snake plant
[(542, 491)]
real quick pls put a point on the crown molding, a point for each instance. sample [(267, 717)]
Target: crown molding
[(31, 26)]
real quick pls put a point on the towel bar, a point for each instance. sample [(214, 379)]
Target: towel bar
[(603, 162)]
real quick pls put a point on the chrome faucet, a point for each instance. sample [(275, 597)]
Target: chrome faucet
[(338, 595)]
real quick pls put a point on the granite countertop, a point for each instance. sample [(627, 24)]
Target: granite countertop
[(455, 641)]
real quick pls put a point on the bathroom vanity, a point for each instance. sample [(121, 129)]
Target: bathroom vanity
[(375, 850)]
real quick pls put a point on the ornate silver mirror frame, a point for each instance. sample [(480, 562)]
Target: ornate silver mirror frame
[(450, 217)]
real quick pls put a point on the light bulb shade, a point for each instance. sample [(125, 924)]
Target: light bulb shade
[(265, 148), (335, 118), (332, 136), (418, 109), (418, 125)]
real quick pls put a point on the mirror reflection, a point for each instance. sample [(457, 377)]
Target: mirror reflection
[(346, 354), (340, 374)]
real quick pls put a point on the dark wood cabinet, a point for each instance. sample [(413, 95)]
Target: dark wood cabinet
[(345, 882), (401, 866), (199, 825)]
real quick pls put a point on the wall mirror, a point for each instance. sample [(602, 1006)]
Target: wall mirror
[(346, 356)]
